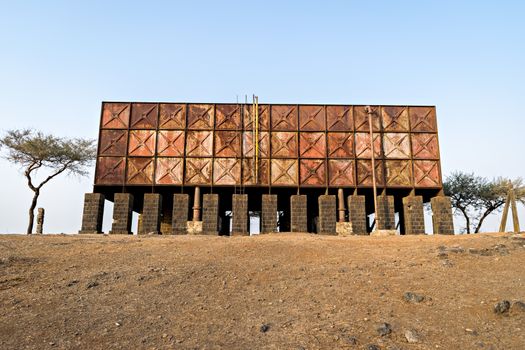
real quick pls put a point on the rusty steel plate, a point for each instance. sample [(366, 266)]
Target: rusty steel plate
[(248, 171), (144, 115), (423, 119), (396, 145), (113, 142), (364, 173), (395, 118), (199, 143), (172, 116), (198, 171), (362, 145), (140, 171), (115, 115), (227, 144), (141, 143), (169, 171), (284, 118), (312, 172), (201, 116), (284, 144), (340, 118), (110, 170), (264, 144), (264, 117), (340, 145), (425, 146), (312, 144), (228, 117), (398, 173), (361, 118), (284, 172), (312, 118), (426, 173), (226, 171), (341, 172), (170, 143)]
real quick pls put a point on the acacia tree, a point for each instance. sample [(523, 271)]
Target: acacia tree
[(475, 197), (34, 150)]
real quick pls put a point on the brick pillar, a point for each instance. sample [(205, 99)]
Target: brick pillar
[(413, 213), (93, 213), (240, 215), (40, 221), (269, 213), (210, 214), (357, 214), (442, 218), (298, 217), (385, 219), (179, 215), (151, 213), (327, 215), (122, 211)]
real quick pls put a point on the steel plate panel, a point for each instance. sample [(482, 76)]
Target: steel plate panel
[(227, 144), (426, 173), (361, 118), (340, 145), (172, 116), (140, 171), (198, 171), (423, 119), (141, 143), (144, 115), (284, 117), (115, 115), (284, 144), (340, 118), (312, 118), (228, 117), (313, 172), (113, 142), (312, 144), (226, 171), (110, 170), (248, 171), (364, 173), (396, 145), (264, 117), (170, 143), (398, 173), (264, 144), (362, 145), (425, 146), (169, 171), (284, 172), (395, 118), (199, 143), (201, 116), (341, 172)]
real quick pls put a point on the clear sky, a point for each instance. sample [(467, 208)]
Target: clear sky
[(60, 59)]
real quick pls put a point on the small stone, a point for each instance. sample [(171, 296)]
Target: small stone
[(372, 347), (413, 297), (412, 336), (518, 305), (118, 324), (265, 328), (164, 335), (502, 307), (92, 284), (350, 339), (471, 331), (384, 329)]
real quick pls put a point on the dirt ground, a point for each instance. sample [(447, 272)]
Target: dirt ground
[(277, 291)]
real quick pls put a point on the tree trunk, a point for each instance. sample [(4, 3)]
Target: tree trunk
[(467, 219), (483, 217), (32, 212)]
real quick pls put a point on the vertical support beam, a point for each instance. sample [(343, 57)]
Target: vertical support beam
[(357, 214), (197, 204), (93, 213), (413, 213), (122, 212), (442, 219), (327, 215), (298, 216), (240, 215), (385, 215), (210, 214), (341, 205), (151, 213), (515, 220), (179, 215), (40, 221), (269, 213)]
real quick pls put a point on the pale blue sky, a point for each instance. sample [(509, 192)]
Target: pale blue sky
[(60, 59)]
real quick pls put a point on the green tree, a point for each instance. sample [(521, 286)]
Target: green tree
[(34, 150)]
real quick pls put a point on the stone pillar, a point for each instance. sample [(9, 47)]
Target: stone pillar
[(357, 214), (327, 215), (40, 221), (179, 216), (151, 214), (122, 212), (442, 218), (210, 214), (298, 216), (197, 204), (341, 205), (269, 213), (385, 216), (93, 213), (240, 215), (413, 213)]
